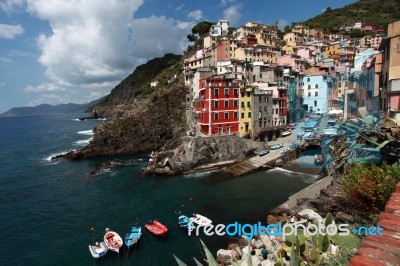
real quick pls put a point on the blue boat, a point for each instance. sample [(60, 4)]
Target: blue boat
[(184, 221), (133, 236)]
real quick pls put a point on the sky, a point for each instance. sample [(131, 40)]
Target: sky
[(76, 51)]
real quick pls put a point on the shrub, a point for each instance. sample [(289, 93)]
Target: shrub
[(371, 184)]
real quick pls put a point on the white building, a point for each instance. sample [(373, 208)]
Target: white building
[(219, 29)]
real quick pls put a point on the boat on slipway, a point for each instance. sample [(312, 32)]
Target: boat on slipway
[(133, 236), (98, 250), (200, 219), (157, 228), (112, 240)]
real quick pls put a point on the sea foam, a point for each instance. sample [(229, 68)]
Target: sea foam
[(83, 142), (86, 132)]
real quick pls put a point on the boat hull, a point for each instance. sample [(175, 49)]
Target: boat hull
[(113, 241), (99, 250), (157, 228), (133, 236)]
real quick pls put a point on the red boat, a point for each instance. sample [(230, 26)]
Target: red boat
[(157, 228)]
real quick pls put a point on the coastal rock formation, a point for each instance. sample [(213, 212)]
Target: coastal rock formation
[(195, 151), (150, 124)]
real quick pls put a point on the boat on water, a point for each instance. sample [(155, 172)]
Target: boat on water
[(98, 250), (286, 133), (200, 219), (184, 221), (276, 146), (112, 240), (133, 236), (285, 150), (157, 228)]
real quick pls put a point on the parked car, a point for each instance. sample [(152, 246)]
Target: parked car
[(263, 152)]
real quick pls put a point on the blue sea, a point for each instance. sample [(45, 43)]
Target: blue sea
[(48, 207)]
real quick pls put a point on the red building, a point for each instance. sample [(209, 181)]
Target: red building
[(218, 106)]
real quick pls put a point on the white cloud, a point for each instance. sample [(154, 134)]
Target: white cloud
[(5, 60), (18, 53), (51, 99), (282, 23), (232, 14), (44, 87), (179, 7), (9, 6), (10, 31), (196, 14), (224, 2), (95, 46)]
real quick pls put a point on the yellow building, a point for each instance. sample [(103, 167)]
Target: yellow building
[(333, 48), (245, 119), (303, 30)]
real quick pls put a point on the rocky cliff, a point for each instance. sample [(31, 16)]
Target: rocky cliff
[(148, 123)]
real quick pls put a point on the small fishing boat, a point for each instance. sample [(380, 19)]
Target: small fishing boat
[(112, 240), (184, 221), (98, 250), (157, 228), (285, 150), (133, 236), (286, 133), (200, 219)]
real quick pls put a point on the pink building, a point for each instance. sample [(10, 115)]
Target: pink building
[(222, 51), (306, 54)]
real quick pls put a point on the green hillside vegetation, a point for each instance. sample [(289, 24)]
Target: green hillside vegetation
[(376, 12), (138, 83)]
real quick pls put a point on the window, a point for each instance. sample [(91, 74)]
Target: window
[(266, 99), (235, 103), (226, 91), (315, 103), (308, 79), (241, 115), (316, 86), (248, 94), (259, 99), (309, 86), (216, 91), (242, 94), (216, 116), (248, 104), (235, 91), (309, 94), (249, 114), (259, 108), (226, 103), (226, 115), (242, 104), (316, 93), (235, 115)]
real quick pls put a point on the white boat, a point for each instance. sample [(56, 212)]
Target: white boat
[(98, 250), (112, 240), (200, 219), (286, 133)]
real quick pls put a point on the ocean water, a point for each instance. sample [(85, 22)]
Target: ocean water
[(47, 208)]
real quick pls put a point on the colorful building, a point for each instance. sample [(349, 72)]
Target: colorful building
[(218, 106), (390, 77), (246, 120), (317, 89)]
